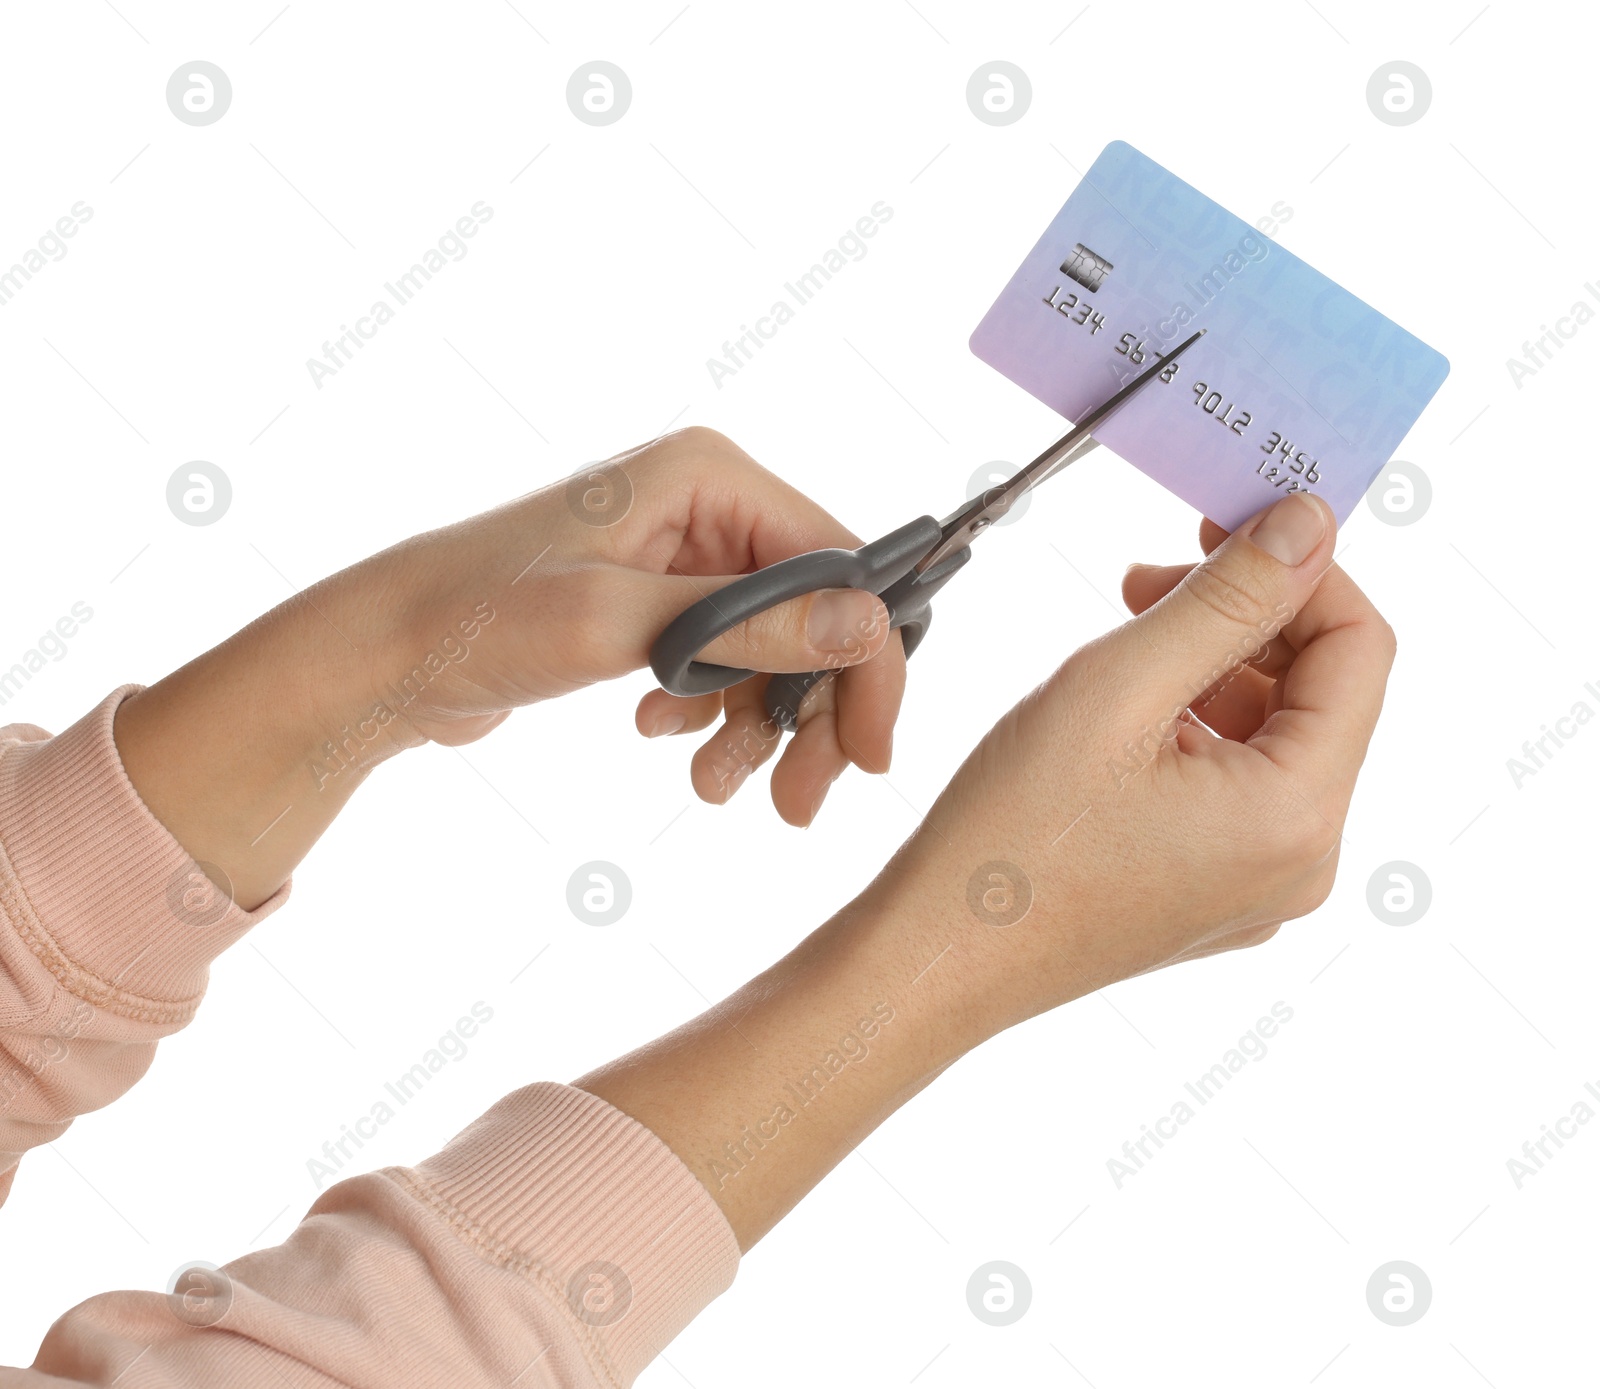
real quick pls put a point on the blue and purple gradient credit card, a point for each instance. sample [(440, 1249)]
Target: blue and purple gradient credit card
[(1297, 384)]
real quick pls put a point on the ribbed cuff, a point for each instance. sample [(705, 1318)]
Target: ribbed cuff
[(100, 891), (596, 1208)]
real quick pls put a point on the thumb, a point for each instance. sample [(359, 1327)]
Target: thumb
[(826, 630), (1226, 609)]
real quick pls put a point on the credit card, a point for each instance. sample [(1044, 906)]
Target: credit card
[(1297, 385)]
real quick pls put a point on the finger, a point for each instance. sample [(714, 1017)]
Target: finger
[(811, 763), (660, 714), (816, 754), (1144, 585), (1235, 705), (827, 630), (1349, 672), (746, 739), (1211, 535), (1331, 695), (869, 698), (1224, 610), (625, 610), (845, 718)]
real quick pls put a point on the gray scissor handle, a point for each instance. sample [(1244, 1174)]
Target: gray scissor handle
[(910, 603), (884, 567)]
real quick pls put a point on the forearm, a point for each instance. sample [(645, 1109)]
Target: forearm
[(152, 835), (762, 1095), (247, 753)]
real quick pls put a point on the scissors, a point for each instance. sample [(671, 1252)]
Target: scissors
[(904, 568)]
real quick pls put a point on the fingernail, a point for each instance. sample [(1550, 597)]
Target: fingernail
[(667, 723), (1292, 529), (842, 619)]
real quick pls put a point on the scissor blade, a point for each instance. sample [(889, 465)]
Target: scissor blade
[(1062, 452), (961, 526)]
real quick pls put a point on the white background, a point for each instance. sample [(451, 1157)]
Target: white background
[(1419, 1058)]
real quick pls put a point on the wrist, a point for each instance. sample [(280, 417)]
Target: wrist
[(982, 952), (313, 667), (434, 608)]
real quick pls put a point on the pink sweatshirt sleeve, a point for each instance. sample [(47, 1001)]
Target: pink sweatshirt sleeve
[(555, 1242), (107, 930)]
